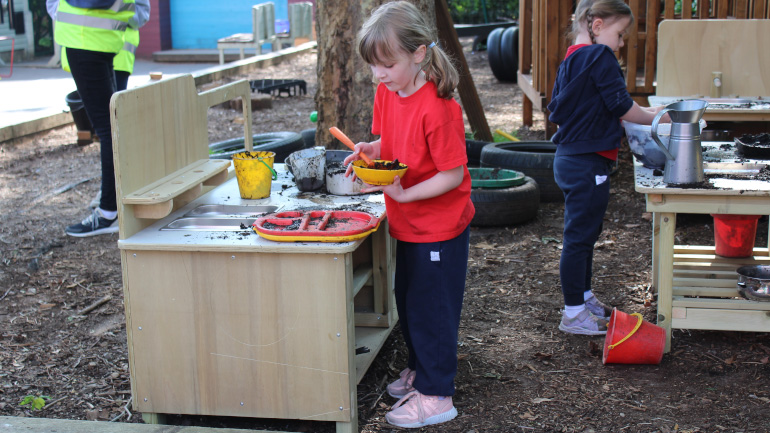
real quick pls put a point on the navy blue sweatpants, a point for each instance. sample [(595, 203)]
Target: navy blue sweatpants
[(585, 181), (430, 282)]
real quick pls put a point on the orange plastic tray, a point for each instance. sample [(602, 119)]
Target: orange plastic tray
[(316, 226)]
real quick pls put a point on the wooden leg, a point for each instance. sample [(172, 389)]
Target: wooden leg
[(655, 255), (526, 111), (154, 418), (666, 272), (347, 427)]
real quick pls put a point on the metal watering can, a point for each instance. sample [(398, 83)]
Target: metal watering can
[(684, 157)]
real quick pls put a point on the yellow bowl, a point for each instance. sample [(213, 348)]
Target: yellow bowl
[(378, 176)]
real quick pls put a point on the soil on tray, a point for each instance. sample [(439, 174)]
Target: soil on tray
[(63, 325)]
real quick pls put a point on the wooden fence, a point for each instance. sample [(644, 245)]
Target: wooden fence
[(543, 27)]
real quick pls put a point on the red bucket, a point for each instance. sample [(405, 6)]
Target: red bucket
[(734, 235), (632, 340)]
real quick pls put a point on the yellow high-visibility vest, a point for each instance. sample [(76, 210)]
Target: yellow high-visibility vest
[(124, 60), (93, 29)]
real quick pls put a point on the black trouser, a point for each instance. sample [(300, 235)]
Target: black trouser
[(430, 282), (95, 81)]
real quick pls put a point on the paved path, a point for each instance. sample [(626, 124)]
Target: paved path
[(35, 91)]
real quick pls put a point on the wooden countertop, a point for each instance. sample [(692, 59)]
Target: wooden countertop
[(718, 158), (283, 194)]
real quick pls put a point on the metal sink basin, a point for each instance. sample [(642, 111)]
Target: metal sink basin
[(734, 169), (728, 101), (224, 210), (211, 224)]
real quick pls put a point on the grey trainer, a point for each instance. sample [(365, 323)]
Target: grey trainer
[(585, 323), (597, 308)]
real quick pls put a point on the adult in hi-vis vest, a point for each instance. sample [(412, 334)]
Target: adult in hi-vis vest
[(92, 31), (123, 63), (124, 60)]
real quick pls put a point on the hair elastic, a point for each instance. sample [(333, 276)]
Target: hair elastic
[(432, 44)]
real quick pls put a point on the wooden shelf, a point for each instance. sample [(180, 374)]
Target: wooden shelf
[(155, 200), (373, 338), (362, 276), (705, 291)]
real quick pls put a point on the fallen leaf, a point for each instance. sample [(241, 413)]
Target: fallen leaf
[(541, 400), (528, 415), (484, 246), (546, 239), (543, 356), (46, 306)]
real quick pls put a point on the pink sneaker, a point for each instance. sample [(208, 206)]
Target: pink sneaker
[(403, 385), (417, 410)]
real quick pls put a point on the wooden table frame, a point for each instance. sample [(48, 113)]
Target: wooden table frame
[(697, 289)]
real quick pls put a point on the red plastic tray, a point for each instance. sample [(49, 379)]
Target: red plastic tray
[(316, 225)]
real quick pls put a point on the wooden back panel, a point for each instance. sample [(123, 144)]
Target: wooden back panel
[(160, 128), (689, 50)]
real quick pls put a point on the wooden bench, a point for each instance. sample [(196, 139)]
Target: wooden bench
[(262, 32), (300, 23)]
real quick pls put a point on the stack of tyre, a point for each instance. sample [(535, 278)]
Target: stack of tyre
[(503, 53), (283, 143), (514, 204)]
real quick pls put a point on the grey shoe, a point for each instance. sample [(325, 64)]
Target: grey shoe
[(597, 308), (585, 323), (96, 201)]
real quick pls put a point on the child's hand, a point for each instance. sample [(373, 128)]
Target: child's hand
[(367, 148), (394, 190), (655, 110)]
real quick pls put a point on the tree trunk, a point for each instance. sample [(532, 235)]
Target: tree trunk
[(345, 95)]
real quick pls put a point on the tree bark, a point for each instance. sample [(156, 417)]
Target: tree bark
[(345, 95)]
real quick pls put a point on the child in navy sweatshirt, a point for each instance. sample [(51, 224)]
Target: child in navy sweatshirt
[(589, 99)]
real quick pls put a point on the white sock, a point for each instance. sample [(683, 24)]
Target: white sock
[(573, 310), (588, 294), (109, 214)]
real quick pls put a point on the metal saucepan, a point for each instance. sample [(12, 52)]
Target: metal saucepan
[(754, 282)]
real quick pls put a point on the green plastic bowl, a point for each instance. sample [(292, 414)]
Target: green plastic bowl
[(495, 178)]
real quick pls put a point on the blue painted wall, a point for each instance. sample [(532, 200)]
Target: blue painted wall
[(199, 23)]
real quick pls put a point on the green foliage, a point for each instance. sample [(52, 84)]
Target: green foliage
[(483, 11), (42, 27), (34, 402), (678, 7)]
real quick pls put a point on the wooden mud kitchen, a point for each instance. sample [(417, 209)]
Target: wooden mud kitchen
[(697, 289), (221, 321)]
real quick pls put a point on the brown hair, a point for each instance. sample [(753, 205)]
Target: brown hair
[(400, 26), (588, 10)]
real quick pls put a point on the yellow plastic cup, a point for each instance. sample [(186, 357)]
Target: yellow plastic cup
[(255, 174)]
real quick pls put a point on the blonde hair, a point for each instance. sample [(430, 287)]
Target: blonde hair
[(399, 26), (588, 10)]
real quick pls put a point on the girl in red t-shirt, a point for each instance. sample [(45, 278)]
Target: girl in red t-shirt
[(429, 209)]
